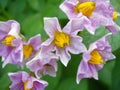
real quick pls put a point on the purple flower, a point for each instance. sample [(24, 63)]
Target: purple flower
[(24, 81), (10, 27), (43, 63), (31, 47), (62, 41), (14, 49), (10, 42), (94, 59), (114, 27), (98, 12)]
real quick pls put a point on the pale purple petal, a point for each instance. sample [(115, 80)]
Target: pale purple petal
[(2, 35), (113, 28), (104, 41), (47, 45), (43, 63), (17, 42), (51, 25), (47, 42), (68, 8), (64, 55), (35, 42), (14, 24), (7, 60), (34, 65), (15, 77), (4, 28), (39, 85), (15, 29), (50, 70), (19, 86), (86, 56), (82, 69), (76, 46), (76, 25), (107, 54), (86, 70), (46, 49), (25, 76), (3, 50), (74, 1), (104, 8), (17, 57), (94, 71), (18, 52), (98, 19), (7, 27), (101, 43)]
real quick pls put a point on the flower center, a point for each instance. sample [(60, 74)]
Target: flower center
[(86, 8), (61, 39), (25, 86), (8, 40), (27, 50), (115, 15), (47, 66), (96, 58)]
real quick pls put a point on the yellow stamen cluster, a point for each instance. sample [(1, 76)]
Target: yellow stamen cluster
[(25, 86), (8, 40), (61, 39), (96, 58), (115, 15), (27, 50), (86, 8)]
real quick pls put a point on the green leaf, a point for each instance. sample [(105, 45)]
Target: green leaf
[(7, 68), (116, 72), (105, 74), (97, 85), (89, 38), (4, 79), (4, 82), (52, 9), (33, 25), (115, 4), (114, 39), (37, 5), (4, 3), (71, 69), (70, 84), (16, 8)]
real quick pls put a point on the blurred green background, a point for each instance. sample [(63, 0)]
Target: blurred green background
[(30, 14)]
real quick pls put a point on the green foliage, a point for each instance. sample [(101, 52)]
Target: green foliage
[(30, 14), (116, 72)]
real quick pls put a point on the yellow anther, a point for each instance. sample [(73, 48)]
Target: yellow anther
[(86, 8), (27, 50), (96, 58), (115, 15), (8, 40), (61, 39)]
